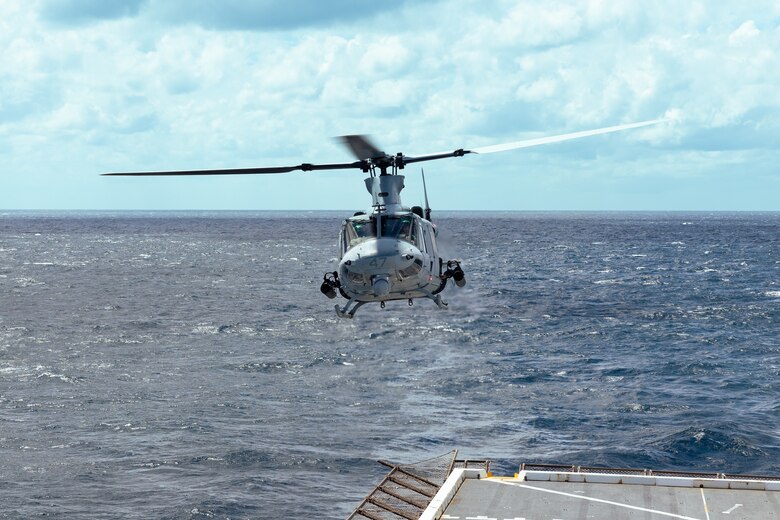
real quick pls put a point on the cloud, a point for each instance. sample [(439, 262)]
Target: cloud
[(261, 15), (268, 15), (174, 84), (76, 12), (744, 33), (758, 128)]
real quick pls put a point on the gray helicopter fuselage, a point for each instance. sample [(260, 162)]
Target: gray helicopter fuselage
[(388, 256)]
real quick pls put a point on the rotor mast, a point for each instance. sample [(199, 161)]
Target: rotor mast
[(385, 192)]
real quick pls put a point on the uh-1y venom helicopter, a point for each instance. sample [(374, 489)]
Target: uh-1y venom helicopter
[(391, 252)]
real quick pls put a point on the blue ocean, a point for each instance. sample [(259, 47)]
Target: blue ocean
[(186, 366)]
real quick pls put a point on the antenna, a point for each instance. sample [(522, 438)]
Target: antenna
[(425, 191)]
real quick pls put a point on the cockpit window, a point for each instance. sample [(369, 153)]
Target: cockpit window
[(359, 230), (399, 227)]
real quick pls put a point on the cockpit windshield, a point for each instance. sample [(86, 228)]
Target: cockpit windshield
[(399, 227), (359, 230)]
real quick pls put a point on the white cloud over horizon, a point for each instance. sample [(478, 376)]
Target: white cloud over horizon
[(88, 87)]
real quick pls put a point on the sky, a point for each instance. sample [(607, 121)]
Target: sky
[(90, 86)]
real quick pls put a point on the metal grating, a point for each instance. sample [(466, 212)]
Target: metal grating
[(407, 490), (472, 464)]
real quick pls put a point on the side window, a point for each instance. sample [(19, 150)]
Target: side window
[(416, 237), (343, 240), (349, 236), (419, 237), (428, 241)]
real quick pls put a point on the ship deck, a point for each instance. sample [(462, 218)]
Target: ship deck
[(552, 494), (445, 488)]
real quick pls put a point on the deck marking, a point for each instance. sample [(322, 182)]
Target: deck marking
[(706, 511), (448, 517), (591, 499), (480, 517), (732, 509)]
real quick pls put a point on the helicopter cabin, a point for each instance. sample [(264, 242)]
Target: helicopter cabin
[(409, 227)]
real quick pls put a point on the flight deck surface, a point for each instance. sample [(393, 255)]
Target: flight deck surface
[(541, 495), (511, 499)]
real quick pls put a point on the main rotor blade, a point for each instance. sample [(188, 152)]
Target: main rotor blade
[(527, 143), (370, 156), (361, 147), (246, 171), (460, 152)]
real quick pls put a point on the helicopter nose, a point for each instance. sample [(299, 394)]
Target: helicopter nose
[(375, 260)]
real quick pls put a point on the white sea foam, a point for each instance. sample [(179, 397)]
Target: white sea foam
[(611, 281), (205, 329)]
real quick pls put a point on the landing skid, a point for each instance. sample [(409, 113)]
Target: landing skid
[(346, 312), (436, 299)]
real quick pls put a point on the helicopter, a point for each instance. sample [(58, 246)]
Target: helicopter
[(390, 252)]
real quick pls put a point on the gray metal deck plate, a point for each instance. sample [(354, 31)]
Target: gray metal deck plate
[(513, 499)]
